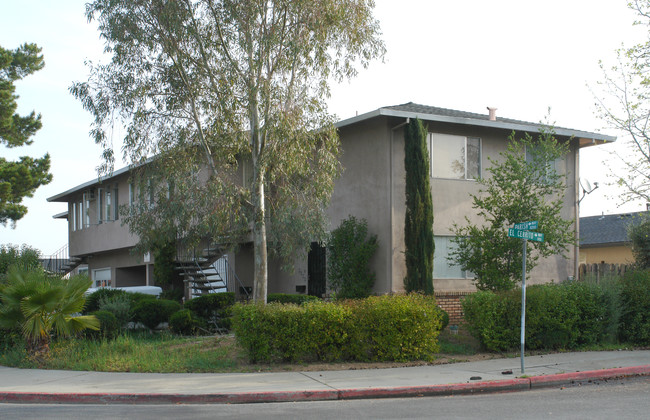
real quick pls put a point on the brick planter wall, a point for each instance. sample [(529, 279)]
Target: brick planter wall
[(450, 302)]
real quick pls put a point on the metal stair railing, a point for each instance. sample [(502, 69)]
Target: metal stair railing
[(195, 266), (60, 262)]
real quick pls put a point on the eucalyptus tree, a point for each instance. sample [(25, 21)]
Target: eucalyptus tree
[(209, 87)]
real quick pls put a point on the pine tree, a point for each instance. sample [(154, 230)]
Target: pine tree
[(18, 179), (418, 224)]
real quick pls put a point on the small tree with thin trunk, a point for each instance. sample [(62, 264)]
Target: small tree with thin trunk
[(418, 223)]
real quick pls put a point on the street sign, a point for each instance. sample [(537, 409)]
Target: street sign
[(526, 234), (526, 225)]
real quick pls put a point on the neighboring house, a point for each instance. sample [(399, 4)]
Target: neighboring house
[(371, 187), (604, 239)]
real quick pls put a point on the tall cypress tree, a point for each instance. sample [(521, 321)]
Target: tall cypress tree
[(418, 224)]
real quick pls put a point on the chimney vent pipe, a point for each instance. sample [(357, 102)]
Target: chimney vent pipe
[(493, 113)]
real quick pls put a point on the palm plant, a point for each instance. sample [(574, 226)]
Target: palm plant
[(37, 304)]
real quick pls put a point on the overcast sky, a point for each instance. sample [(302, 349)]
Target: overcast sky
[(521, 57)]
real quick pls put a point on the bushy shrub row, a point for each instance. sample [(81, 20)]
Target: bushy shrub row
[(211, 312), (399, 328), (288, 298), (635, 305), (115, 308), (564, 316)]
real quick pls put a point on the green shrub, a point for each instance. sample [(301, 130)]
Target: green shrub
[(25, 257), (173, 294), (551, 317), (400, 328), (397, 328), (561, 316), (109, 325), (494, 319), (140, 297), (92, 300), (120, 305), (183, 322), (444, 318), (635, 302), (152, 312), (207, 305), (213, 309), (349, 252), (289, 298)]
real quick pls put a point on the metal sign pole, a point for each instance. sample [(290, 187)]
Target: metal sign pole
[(523, 306)]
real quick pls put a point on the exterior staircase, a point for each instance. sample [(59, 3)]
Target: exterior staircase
[(207, 271), (61, 262)]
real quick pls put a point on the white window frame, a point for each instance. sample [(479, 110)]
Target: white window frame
[(100, 205), (551, 165), (74, 216), (443, 259), (465, 140), (103, 282), (86, 200), (116, 203)]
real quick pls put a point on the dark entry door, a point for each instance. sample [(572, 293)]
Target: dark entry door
[(316, 270)]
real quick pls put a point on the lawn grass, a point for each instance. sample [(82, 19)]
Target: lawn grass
[(139, 351), (134, 352)]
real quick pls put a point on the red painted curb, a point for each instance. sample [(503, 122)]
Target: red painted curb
[(565, 378), (515, 384)]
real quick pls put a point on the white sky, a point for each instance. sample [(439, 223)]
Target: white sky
[(519, 56)]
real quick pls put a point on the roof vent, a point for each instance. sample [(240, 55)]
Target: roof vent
[(493, 113)]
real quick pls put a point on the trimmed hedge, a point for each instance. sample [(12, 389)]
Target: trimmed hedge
[(382, 328), (151, 312), (289, 298), (561, 316)]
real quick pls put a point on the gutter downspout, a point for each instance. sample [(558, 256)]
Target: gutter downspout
[(389, 276)]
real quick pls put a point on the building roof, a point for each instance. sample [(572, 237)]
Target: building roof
[(608, 229), (432, 113), (412, 110)]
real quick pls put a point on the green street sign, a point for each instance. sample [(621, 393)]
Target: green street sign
[(526, 234), (526, 225)]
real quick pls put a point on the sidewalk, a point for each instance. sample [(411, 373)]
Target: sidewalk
[(48, 386)]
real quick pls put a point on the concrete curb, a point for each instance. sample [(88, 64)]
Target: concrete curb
[(509, 385)]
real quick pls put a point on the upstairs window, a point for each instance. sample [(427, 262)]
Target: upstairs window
[(442, 267), (455, 157), (551, 168)]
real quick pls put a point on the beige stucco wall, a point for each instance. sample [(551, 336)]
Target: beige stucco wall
[(609, 255), (371, 148), (107, 235), (123, 267), (362, 190)]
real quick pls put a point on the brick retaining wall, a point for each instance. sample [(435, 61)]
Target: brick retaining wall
[(450, 302)]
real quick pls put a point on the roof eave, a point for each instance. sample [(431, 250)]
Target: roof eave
[(585, 138), (63, 197)]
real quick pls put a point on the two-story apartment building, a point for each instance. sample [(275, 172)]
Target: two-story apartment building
[(371, 187)]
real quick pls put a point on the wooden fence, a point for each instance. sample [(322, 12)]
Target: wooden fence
[(601, 271)]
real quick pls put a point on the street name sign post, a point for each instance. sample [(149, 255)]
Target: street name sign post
[(526, 225), (522, 231), (526, 234)]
